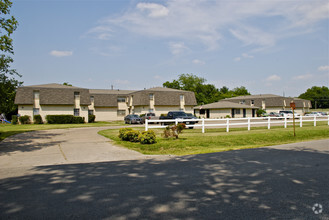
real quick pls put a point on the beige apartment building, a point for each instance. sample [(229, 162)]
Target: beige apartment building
[(106, 105), (273, 103)]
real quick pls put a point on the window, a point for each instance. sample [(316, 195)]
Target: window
[(151, 96), (202, 111), (121, 99), (76, 94), (243, 102), (181, 97), (90, 112), (151, 110), (76, 112), (121, 112), (237, 111), (36, 111), (92, 99), (252, 102)]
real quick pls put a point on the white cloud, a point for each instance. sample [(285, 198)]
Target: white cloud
[(206, 22), (61, 53), (237, 59), (245, 55), (303, 77), (177, 48), (101, 32), (323, 68), (273, 78), (200, 62), (155, 10)]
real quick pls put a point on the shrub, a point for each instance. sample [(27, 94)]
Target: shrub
[(91, 118), (37, 119), (147, 137), (227, 116), (122, 133), (174, 131), (142, 115), (132, 136), (24, 119), (64, 119), (14, 119), (260, 112)]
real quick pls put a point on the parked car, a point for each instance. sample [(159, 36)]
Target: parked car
[(318, 114), (178, 115), (288, 114), (149, 116), (132, 119), (274, 114), (192, 116)]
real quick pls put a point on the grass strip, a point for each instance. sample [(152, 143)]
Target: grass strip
[(7, 130), (192, 141)]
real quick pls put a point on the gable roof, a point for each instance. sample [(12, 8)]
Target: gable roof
[(52, 94), (224, 105), (163, 97)]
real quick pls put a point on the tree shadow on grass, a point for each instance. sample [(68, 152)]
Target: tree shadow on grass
[(28, 141), (259, 183)]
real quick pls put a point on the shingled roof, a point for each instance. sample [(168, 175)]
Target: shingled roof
[(52, 94), (270, 100), (225, 104), (163, 97)]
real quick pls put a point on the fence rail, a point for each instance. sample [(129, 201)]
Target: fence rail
[(229, 122)]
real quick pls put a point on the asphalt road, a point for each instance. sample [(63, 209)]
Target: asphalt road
[(282, 182)]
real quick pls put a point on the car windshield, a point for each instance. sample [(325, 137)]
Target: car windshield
[(179, 113), (134, 116), (150, 114)]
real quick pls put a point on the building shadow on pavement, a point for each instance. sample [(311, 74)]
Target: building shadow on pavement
[(28, 141), (259, 183)]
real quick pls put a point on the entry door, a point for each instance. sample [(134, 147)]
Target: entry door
[(207, 113), (244, 112), (233, 112), (253, 113)]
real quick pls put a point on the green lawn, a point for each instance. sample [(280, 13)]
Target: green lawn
[(7, 130), (192, 141)]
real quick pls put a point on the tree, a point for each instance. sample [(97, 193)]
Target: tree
[(204, 93), (67, 84), (8, 83), (319, 96)]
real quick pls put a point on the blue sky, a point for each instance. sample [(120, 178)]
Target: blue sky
[(267, 46)]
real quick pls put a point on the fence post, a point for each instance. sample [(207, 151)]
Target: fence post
[(285, 121), (146, 125), (314, 120), (269, 123), (301, 121), (248, 123), (227, 125), (176, 121), (202, 125)]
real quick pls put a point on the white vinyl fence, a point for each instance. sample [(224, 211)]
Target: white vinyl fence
[(239, 122)]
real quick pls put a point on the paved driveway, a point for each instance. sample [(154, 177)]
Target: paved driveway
[(282, 182)]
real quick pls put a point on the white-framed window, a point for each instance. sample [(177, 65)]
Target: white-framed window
[(92, 99), (76, 112), (181, 97), (36, 111), (90, 112), (121, 112), (237, 111), (121, 99), (151, 110), (243, 102), (252, 102), (151, 96)]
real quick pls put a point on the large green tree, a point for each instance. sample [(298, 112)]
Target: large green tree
[(319, 96), (204, 93), (8, 83)]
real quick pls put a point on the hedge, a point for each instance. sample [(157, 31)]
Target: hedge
[(24, 119), (37, 119), (64, 119), (91, 118)]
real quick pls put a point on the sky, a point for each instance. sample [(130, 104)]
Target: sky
[(270, 47)]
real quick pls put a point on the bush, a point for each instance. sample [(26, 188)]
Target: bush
[(260, 112), (227, 116), (132, 136), (147, 137), (37, 119), (174, 131), (122, 133), (24, 119), (91, 118), (64, 119), (14, 120)]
